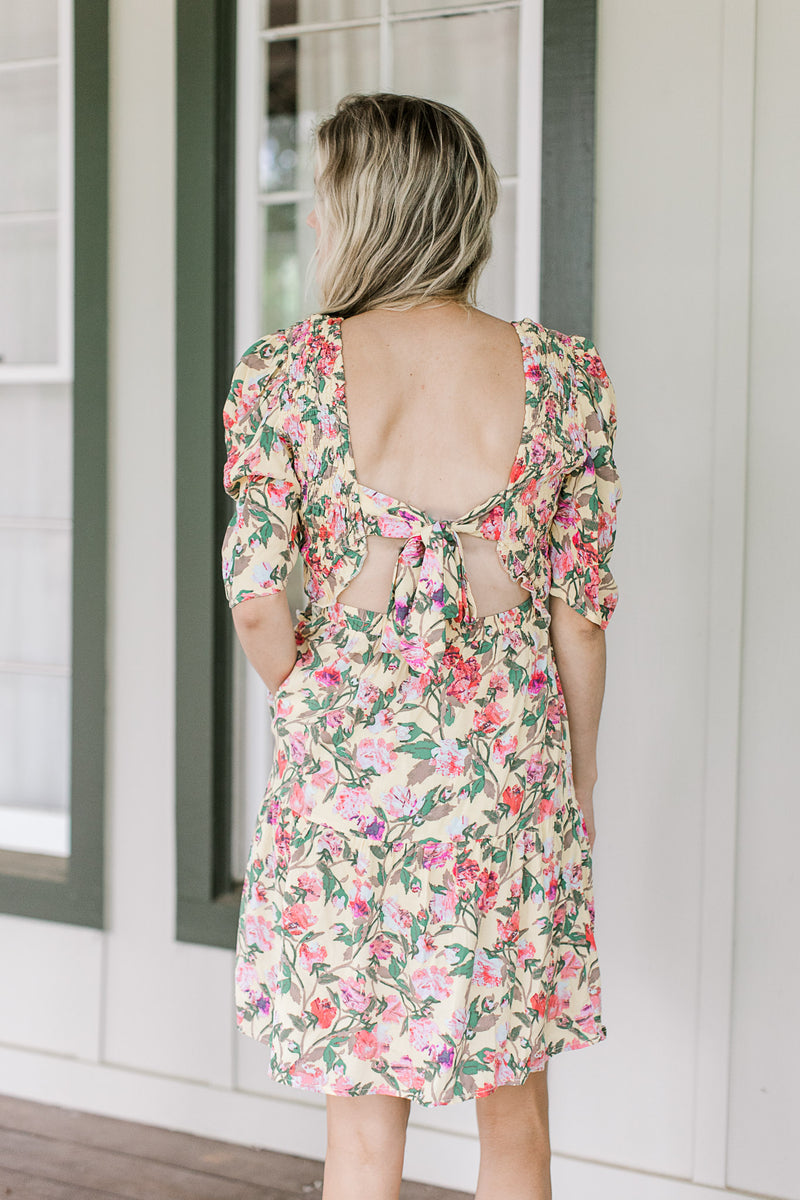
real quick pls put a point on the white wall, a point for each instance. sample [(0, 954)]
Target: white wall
[(691, 1091), (765, 1052)]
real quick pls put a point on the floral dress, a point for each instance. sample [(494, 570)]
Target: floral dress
[(417, 914)]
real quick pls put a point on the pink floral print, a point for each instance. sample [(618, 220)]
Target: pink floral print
[(417, 914)]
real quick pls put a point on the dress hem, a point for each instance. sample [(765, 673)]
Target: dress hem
[(543, 1058)]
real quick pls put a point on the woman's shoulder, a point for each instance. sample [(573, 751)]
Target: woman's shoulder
[(289, 355), (573, 363), (546, 339), (312, 346), (289, 340)]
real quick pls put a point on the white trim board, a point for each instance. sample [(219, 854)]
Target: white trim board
[(726, 552)]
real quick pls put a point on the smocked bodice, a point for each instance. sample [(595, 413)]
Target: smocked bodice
[(290, 469), (430, 585)]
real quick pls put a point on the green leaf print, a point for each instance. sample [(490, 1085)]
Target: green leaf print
[(329, 1057)]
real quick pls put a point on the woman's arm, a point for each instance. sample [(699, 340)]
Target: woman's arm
[(579, 648), (264, 627)]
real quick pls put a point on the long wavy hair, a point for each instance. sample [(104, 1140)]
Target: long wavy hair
[(405, 195)]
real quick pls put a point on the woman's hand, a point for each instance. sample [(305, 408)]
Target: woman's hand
[(265, 630), (585, 803)]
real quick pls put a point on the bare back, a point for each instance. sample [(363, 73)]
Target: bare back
[(436, 404)]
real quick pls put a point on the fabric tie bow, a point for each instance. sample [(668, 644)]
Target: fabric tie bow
[(430, 585), (429, 589)]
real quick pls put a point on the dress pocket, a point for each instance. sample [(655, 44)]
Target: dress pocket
[(287, 681), (288, 687)]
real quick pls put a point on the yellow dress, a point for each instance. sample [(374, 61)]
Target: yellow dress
[(417, 914)]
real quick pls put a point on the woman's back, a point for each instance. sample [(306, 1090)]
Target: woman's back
[(436, 407)]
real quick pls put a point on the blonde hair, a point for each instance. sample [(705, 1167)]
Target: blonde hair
[(405, 197)]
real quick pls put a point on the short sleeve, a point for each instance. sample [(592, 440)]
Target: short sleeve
[(261, 543), (585, 520)]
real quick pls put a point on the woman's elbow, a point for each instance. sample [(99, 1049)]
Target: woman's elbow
[(257, 611), (566, 620)]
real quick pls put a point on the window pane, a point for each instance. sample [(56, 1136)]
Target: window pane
[(34, 749), (29, 195), (304, 78), (28, 298), (28, 29), (35, 615), (289, 244), (28, 141), (40, 484), (469, 62), (35, 618), (279, 146), (275, 13)]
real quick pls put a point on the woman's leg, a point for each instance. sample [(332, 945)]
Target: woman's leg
[(514, 1129), (366, 1144)]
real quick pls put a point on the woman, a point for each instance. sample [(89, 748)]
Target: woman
[(417, 917)]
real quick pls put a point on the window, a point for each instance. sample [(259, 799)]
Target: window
[(279, 65), (53, 80)]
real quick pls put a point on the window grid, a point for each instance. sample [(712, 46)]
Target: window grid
[(383, 21), (250, 91), (250, 88), (283, 33)]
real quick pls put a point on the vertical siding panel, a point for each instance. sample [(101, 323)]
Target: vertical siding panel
[(763, 1149)]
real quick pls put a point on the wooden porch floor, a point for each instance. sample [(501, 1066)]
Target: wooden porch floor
[(49, 1153)]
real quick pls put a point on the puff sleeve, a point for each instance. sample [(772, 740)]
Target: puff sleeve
[(261, 542), (584, 523)]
